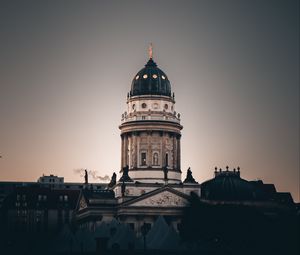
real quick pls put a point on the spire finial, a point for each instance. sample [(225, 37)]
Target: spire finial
[(150, 51)]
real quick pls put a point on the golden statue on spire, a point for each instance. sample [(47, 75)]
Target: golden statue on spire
[(150, 51)]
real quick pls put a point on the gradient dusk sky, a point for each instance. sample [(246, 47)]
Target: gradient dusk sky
[(66, 68)]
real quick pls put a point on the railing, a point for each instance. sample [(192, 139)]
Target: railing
[(171, 118)]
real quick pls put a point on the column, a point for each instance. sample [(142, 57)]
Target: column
[(126, 150), (129, 159), (138, 151), (122, 151), (149, 149), (135, 151), (179, 153), (163, 151), (174, 152)]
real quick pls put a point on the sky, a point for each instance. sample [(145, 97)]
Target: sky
[(66, 68)]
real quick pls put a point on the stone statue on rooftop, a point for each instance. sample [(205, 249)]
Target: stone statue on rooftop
[(189, 177), (125, 176), (113, 180), (86, 177)]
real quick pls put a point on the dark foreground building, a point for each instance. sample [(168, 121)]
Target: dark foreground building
[(231, 216)]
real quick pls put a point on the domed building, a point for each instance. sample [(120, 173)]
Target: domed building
[(150, 183), (150, 129), (229, 186)]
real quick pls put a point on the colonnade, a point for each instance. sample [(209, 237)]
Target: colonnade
[(130, 150)]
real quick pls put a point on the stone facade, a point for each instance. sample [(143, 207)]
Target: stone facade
[(150, 134)]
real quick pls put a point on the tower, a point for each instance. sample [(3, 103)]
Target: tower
[(150, 128)]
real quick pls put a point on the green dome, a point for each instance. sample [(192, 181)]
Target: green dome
[(150, 81), (228, 185)]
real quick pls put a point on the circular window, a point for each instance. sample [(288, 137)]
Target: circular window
[(163, 77), (133, 106), (145, 76), (166, 106), (155, 106), (154, 76), (137, 77), (144, 105)]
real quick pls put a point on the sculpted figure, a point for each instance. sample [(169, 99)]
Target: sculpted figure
[(113, 180), (86, 177)]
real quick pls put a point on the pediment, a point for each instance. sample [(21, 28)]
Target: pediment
[(164, 198)]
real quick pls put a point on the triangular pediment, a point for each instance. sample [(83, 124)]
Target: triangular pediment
[(160, 198)]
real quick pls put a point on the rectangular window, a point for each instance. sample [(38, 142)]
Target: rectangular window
[(143, 159)]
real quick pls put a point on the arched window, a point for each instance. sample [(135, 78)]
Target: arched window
[(143, 159), (155, 159)]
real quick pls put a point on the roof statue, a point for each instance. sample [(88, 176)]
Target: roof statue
[(86, 178), (189, 177), (125, 177), (113, 180)]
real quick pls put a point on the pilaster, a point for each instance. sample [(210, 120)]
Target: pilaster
[(175, 154)]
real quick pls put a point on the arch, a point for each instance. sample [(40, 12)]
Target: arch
[(155, 159), (143, 158)]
